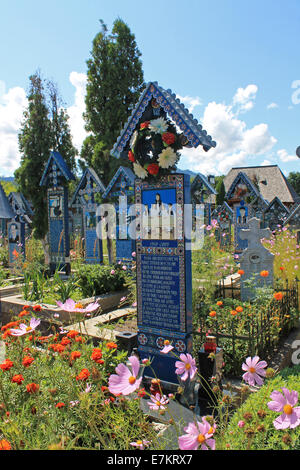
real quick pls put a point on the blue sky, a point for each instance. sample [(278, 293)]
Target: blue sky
[(232, 62)]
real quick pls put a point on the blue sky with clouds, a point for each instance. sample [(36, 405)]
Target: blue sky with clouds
[(234, 63)]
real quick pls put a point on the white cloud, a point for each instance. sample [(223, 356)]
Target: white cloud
[(12, 106), (236, 144), (285, 157), (190, 102), (272, 106), (266, 163), (244, 98), (75, 111)]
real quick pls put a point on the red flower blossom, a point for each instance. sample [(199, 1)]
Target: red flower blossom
[(75, 355), (168, 138), (96, 355), (27, 360), (6, 365), (60, 404), (111, 345), (23, 313), (72, 334), (18, 379), (79, 339), (153, 169), (131, 156), (144, 125), (65, 341), (37, 308), (83, 375), (4, 445), (32, 388)]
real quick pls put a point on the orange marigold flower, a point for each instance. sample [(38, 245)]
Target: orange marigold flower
[(26, 307), (6, 334), (23, 313), (79, 339), (60, 404), (213, 313), (65, 341), (241, 272), (37, 308), (4, 445), (75, 355), (27, 360), (219, 303), (6, 365), (18, 379), (72, 334), (83, 375), (264, 273), (278, 295), (233, 312), (239, 309), (96, 355), (281, 268), (32, 388), (104, 388), (111, 345)]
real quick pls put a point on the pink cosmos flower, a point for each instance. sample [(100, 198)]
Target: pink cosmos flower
[(285, 403), (254, 370), (158, 402), (23, 329), (125, 381), (186, 366), (241, 424), (133, 254), (197, 434), (112, 271), (140, 444), (71, 306)]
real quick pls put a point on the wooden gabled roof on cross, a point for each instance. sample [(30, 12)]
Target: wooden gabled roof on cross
[(121, 183), (56, 169), (176, 111), (88, 184)]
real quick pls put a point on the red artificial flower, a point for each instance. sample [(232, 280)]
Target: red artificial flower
[(131, 156), (153, 169), (6, 365), (32, 388), (18, 379), (144, 125), (27, 360), (83, 375), (168, 138)]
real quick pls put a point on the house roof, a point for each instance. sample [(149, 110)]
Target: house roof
[(57, 159), (98, 185), (270, 182), (176, 111), (6, 211)]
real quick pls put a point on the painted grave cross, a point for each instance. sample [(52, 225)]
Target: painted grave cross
[(255, 259), (157, 129), (89, 186), (55, 177), (19, 226)]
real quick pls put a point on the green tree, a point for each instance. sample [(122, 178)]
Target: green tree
[(294, 180), (44, 128), (114, 84), (220, 188)]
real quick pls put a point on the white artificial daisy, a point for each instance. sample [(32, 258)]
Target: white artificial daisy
[(159, 126), (167, 158), (139, 171), (133, 139)]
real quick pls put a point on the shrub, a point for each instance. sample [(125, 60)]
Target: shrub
[(259, 432), (99, 279)]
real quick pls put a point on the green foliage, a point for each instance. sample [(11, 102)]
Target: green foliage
[(294, 179), (8, 186), (115, 81), (259, 432), (88, 416), (97, 279), (220, 188), (44, 128)]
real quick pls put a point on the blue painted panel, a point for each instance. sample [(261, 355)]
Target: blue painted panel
[(56, 227), (93, 247)]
